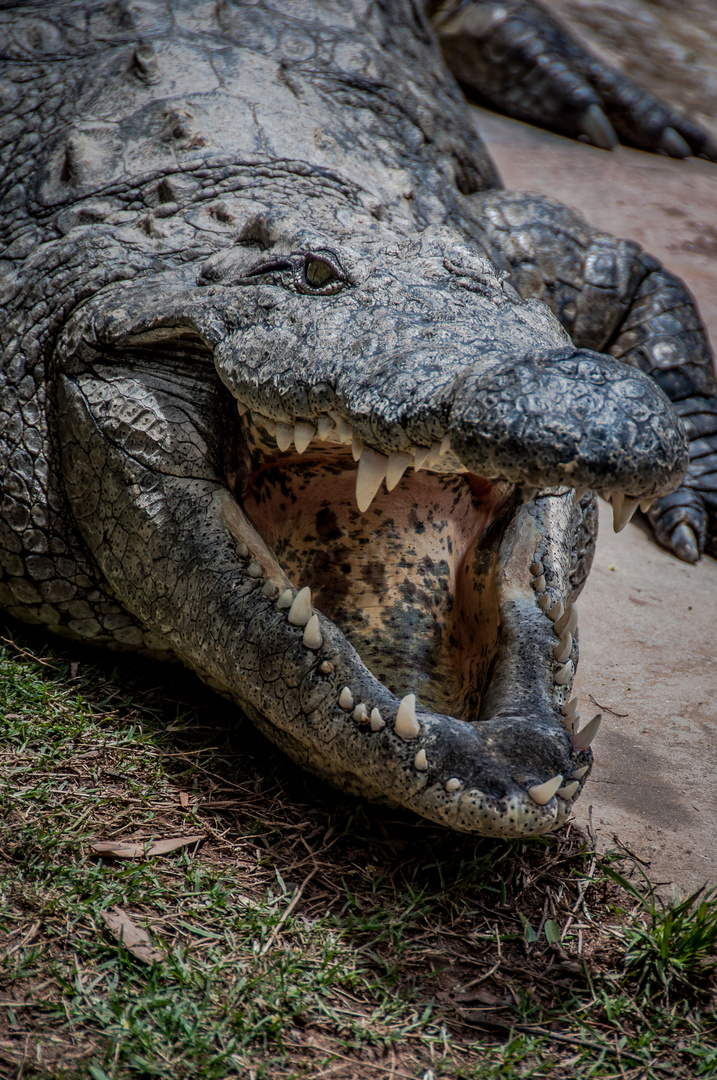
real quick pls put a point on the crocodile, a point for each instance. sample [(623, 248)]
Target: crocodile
[(293, 392)]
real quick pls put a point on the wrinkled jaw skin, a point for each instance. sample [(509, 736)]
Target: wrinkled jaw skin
[(353, 510)]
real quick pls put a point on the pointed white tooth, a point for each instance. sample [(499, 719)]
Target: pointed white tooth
[(254, 570), (569, 790), (563, 649), (324, 428), (345, 431), (300, 610), (582, 739), (434, 455), (564, 674), (645, 504), (453, 784), (570, 723), (607, 494), (571, 709), (544, 601), (369, 477), (356, 446), (407, 726), (617, 500), (242, 550), (579, 492), (536, 568), (397, 465), (242, 409), (312, 633), (543, 793), (303, 434), (284, 436), (539, 583), (285, 600), (578, 774), (528, 494), (567, 621), (270, 589), (346, 699), (361, 713), (326, 667), (376, 721), (419, 457), (420, 761), (556, 611), (623, 515), (445, 444)]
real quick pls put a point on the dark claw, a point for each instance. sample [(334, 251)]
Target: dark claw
[(595, 125), (684, 543), (672, 144)]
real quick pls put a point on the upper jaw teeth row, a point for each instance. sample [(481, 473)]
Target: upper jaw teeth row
[(375, 468), (565, 624), (297, 606)]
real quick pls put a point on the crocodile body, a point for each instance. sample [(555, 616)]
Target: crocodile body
[(294, 392)]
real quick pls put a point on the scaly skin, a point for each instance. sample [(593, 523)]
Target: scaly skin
[(230, 228)]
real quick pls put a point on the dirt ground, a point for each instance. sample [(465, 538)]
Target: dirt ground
[(647, 621)]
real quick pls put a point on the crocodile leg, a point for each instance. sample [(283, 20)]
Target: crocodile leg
[(520, 60), (613, 297)]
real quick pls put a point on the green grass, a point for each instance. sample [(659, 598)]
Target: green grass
[(307, 936)]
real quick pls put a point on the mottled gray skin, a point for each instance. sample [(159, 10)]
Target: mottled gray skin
[(218, 218)]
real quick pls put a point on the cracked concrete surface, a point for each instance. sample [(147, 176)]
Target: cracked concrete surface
[(647, 621)]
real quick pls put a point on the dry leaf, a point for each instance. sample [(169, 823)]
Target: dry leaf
[(133, 937), (184, 798), (126, 849)]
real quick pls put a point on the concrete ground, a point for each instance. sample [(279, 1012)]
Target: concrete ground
[(647, 621)]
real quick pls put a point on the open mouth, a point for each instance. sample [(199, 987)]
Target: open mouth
[(406, 556)]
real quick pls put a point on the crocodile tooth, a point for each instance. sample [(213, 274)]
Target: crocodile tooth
[(284, 436), (563, 649), (578, 774), (345, 430), (303, 434), (567, 621), (528, 494), (539, 583), (326, 667), (544, 601), (377, 721), (580, 491), (407, 726), (569, 790), (285, 600), (623, 507), (397, 465), (556, 611), (536, 568), (361, 713), (324, 427), (564, 674), (571, 709), (254, 570), (270, 589), (300, 610), (453, 784), (543, 793), (434, 455), (582, 739), (645, 504), (419, 457), (346, 699), (369, 477), (570, 722), (312, 633), (242, 550), (420, 761), (242, 409), (356, 446)]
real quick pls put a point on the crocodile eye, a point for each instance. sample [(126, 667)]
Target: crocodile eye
[(318, 273)]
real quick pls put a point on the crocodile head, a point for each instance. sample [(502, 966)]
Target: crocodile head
[(407, 512)]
